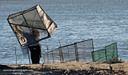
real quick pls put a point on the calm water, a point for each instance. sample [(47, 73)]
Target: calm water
[(106, 21)]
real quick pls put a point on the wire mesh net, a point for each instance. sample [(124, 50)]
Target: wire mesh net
[(111, 52), (99, 55), (56, 56), (106, 55), (84, 50), (77, 52)]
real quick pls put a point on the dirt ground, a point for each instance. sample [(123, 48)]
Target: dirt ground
[(69, 68)]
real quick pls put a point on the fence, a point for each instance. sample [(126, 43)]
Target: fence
[(77, 52), (107, 54)]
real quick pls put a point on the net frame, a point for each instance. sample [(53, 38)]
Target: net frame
[(45, 29)]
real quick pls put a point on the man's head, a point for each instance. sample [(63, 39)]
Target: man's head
[(33, 30)]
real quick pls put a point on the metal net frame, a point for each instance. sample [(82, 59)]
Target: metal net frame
[(35, 17)]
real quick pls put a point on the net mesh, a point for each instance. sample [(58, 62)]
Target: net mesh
[(99, 55), (106, 55), (77, 52), (111, 52)]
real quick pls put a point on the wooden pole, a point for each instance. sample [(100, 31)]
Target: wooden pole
[(16, 55), (47, 55), (76, 52), (28, 55), (47, 48), (61, 52), (59, 42)]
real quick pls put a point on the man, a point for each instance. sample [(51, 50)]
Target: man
[(35, 48), (29, 39)]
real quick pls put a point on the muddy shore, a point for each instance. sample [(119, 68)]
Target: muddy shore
[(79, 68)]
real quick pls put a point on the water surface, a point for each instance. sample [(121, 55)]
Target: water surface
[(105, 21)]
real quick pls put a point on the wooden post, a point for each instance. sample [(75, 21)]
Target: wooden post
[(16, 55), (28, 55), (106, 54), (47, 48), (47, 55), (92, 44), (61, 53), (59, 42), (76, 52), (68, 53), (53, 57), (44, 57)]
